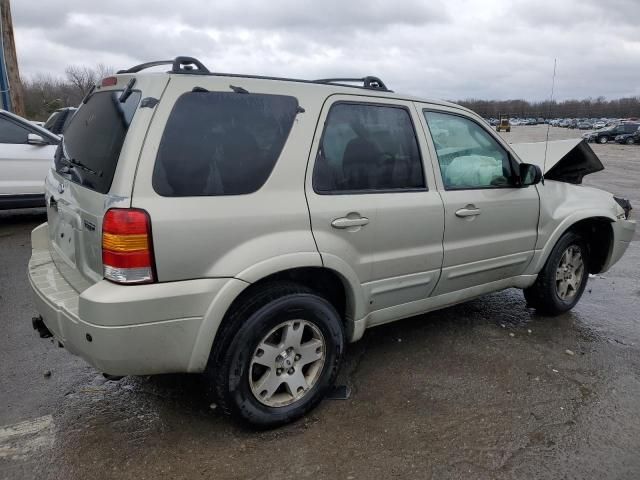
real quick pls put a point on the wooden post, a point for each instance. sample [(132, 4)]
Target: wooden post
[(10, 59)]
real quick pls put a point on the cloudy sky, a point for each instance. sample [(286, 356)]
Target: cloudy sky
[(451, 49)]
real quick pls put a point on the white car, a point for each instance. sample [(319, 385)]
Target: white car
[(26, 154)]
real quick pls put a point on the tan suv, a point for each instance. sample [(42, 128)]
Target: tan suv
[(250, 227)]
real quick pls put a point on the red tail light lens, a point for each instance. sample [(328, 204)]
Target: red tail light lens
[(127, 249), (109, 81)]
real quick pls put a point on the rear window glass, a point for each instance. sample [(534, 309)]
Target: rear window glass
[(94, 138), (52, 120), (222, 143)]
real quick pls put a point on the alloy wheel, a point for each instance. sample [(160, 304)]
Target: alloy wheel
[(287, 363), (569, 273)]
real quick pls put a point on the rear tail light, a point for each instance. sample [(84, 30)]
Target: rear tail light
[(127, 248)]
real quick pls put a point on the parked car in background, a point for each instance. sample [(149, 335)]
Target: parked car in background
[(585, 126), (609, 133), (59, 120), (629, 138), (599, 124), (249, 228), (26, 154)]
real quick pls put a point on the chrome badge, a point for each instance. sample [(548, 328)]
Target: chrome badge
[(61, 188)]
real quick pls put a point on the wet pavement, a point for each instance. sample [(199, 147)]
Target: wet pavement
[(486, 389)]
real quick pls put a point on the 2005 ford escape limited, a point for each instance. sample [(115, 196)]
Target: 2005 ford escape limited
[(250, 227)]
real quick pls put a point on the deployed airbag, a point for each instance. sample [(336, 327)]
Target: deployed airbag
[(567, 160), (472, 171)]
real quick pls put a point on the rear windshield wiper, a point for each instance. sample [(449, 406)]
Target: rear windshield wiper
[(72, 162), (82, 166)]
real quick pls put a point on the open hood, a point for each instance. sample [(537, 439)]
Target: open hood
[(567, 160)]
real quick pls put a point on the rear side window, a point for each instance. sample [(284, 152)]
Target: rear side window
[(94, 138), (222, 143), (367, 148)]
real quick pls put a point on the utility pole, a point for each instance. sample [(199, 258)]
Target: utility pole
[(10, 86)]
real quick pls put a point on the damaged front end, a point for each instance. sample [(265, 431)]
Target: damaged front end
[(625, 204), (561, 160)]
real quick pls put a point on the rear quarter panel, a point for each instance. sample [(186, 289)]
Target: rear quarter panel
[(242, 236)]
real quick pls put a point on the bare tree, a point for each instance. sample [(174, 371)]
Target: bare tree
[(44, 93), (83, 78)]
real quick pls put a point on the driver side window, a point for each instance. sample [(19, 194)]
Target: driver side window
[(469, 157), (368, 148)]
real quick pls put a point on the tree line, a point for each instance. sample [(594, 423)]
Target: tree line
[(586, 108), (44, 94)]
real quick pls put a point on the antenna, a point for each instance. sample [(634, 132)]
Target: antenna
[(546, 145)]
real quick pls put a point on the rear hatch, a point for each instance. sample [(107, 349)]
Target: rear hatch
[(94, 169)]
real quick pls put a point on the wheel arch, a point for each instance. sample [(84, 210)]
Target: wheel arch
[(595, 227), (331, 284)]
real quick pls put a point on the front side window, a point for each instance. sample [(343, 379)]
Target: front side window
[(368, 148), (222, 143), (469, 157), (12, 133)]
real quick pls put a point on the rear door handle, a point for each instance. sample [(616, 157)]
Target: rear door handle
[(468, 211), (346, 222)]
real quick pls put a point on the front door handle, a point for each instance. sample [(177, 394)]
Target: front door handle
[(346, 222), (468, 211)]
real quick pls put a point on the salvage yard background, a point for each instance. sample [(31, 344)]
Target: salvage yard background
[(486, 389)]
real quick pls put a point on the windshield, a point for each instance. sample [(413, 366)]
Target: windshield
[(88, 154)]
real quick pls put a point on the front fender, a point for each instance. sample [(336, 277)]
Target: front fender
[(540, 256), (563, 205)]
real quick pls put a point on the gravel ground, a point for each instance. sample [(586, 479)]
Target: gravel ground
[(487, 389)]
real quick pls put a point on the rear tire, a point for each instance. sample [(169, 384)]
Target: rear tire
[(563, 278), (305, 332)]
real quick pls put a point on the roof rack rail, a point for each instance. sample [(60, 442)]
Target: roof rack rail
[(193, 66), (178, 65), (367, 82)]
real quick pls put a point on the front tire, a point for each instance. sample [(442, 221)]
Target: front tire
[(281, 353), (603, 139), (562, 280), (629, 141)]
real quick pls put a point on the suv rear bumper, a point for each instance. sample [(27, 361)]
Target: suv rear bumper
[(122, 330)]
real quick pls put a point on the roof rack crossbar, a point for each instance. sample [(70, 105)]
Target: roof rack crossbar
[(178, 65), (367, 82), (187, 64)]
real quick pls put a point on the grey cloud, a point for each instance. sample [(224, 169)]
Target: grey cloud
[(453, 50)]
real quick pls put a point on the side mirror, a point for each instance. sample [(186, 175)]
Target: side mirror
[(529, 174), (35, 139)]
